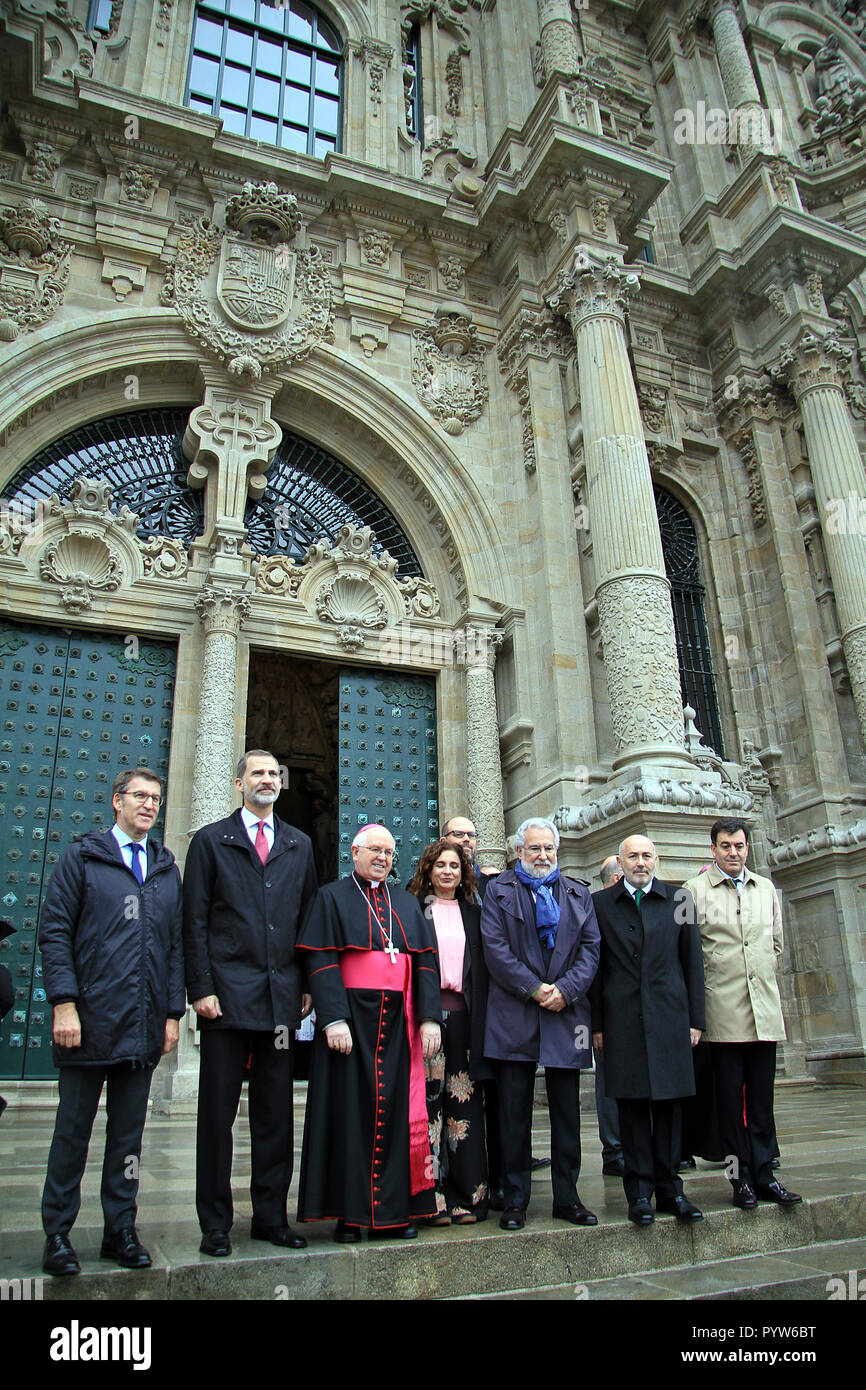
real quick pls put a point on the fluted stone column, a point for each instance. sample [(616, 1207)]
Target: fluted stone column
[(738, 78), (559, 49), (476, 647), (223, 612), (632, 591), (811, 368)]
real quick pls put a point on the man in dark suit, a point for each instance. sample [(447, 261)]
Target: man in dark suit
[(647, 1015), (541, 946), (247, 882), (112, 961)]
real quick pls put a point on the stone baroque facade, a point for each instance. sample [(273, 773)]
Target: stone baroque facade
[(516, 325)]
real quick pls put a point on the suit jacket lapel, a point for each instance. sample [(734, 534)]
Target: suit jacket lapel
[(566, 931)]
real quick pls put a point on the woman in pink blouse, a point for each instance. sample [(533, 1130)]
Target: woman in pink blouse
[(444, 882)]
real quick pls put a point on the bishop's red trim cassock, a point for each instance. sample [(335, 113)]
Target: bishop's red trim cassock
[(356, 1154)]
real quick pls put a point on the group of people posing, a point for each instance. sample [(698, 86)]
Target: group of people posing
[(434, 1007)]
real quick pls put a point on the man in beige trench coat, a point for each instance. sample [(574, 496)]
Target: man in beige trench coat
[(740, 923)]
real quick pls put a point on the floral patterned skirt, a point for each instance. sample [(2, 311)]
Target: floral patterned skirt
[(455, 1113)]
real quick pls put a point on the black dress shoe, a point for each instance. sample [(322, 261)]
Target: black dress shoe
[(59, 1256), (640, 1212), (497, 1199), (775, 1192), (125, 1248), (685, 1165), (346, 1235), (577, 1214), (408, 1232), (215, 1243), (278, 1235), (614, 1168), (744, 1196), (536, 1163), (680, 1208), (512, 1219)]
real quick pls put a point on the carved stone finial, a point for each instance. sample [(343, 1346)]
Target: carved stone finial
[(263, 213)]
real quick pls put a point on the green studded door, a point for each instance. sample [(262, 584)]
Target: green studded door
[(75, 708), (389, 770)]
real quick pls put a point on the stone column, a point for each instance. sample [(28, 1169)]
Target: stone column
[(812, 370), (632, 591), (559, 51), (477, 648), (738, 79), (223, 612)]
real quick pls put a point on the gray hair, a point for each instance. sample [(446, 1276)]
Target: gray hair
[(520, 832), (252, 753), (607, 871)]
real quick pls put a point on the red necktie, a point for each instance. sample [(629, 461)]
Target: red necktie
[(261, 842)]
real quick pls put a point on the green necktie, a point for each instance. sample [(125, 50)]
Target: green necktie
[(638, 894)]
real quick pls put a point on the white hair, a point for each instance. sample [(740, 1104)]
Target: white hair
[(520, 832), (361, 837)]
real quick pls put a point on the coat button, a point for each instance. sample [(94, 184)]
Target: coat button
[(268, 884)]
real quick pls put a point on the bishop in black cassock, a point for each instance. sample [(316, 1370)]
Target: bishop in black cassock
[(366, 1155)]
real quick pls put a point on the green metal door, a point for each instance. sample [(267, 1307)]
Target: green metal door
[(389, 769), (75, 708)]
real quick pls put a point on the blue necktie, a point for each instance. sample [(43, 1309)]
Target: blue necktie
[(136, 862)]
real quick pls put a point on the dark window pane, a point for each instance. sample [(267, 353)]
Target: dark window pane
[(327, 76), (293, 139), (324, 145), (235, 121), (296, 106), (208, 37), (244, 9), (236, 86), (203, 76), (266, 96), (213, 5), (325, 115), (239, 48), (263, 130), (269, 57), (301, 22), (298, 67), (272, 17)]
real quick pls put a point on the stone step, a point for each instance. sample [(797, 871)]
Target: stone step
[(830, 1270)]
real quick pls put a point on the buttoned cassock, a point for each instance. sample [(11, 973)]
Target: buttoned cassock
[(741, 937)]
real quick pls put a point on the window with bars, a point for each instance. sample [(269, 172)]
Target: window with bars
[(683, 568), (269, 72)]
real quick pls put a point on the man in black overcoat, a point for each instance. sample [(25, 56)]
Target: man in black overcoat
[(647, 1005), (247, 882), (112, 962)]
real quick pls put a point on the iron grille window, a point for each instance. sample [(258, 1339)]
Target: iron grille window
[(412, 82), (310, 494), (683, 567), (269, 72)]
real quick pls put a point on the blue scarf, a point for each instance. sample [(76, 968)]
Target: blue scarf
[(547, 909)]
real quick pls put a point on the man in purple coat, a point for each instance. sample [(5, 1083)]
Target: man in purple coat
[(541, 944)]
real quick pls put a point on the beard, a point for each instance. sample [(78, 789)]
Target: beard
[(539, 870), (260, 796)]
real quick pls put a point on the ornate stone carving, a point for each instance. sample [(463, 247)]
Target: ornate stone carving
[(278, 574), (476, 648), (599, 208), (375, 247), (377, 58), (453, 273), (34, 267), (559, 226), (776, 297), (820, 840), (815, 292), (164, 558), (520, 386), (644, 697), (813, 361), (353, 605), (43, 162), (577, 100), (138, 183), (223, 609), (448, 368), (163, 18), (745, 446), (454, 82), (243, 292), (83, 565), (653, 406), (738, 79), (591, 288), (650, 791), (532, 333)]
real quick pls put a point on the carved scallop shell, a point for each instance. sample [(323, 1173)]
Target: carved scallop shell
[(81, 559), (348, 599)]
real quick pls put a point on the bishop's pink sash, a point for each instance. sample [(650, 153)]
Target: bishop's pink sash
[(373, 970)]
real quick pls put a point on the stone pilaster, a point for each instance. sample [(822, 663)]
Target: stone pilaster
[(632, 591), (811, 368), (559, 51), (223, 612), (476, 648)]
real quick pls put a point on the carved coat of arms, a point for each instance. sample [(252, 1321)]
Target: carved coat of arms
[(448, 368), (243, 291)]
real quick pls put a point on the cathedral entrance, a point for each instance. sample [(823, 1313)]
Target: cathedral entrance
[(357, 745)]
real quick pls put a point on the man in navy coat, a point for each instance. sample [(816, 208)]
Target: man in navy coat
[(541, 946), (647, 1016), (247, 882)]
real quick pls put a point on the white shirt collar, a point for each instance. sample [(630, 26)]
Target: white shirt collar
[(251, 821), (646, 887), (123, 839)]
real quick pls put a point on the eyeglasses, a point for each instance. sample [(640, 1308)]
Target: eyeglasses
[(539, 849), (462, 835), (371, 849), (141, 798)]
